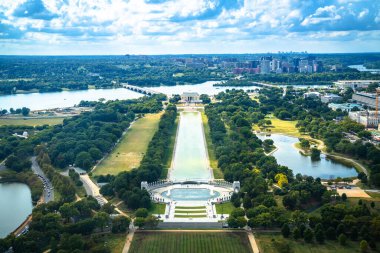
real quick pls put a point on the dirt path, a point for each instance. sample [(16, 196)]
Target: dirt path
[(253, 243)]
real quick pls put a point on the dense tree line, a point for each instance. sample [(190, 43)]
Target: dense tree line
[(126, 185), (82, 140)]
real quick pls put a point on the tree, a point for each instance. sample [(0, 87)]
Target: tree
[(320, 236), (151, 221), (342, 239), (141, 212), (139, 222), (241, 222), (285, 230), (330, 233), (308, 235), (363, 246), (344, 197), (25, 111), (68, 211), (205, 98), (296, 233), (372, 204), (315, 154), (120, 224), (101, 219), (83, 160)]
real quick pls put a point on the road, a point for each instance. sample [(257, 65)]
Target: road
[(48, 194)]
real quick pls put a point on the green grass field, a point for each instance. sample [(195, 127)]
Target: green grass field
[(287, 127), (226, 207), (130, 150), (31, 122), (190, 242), (218, 174), (270, 243), (157, 208), (115, 242), (190, 207), (171, 150)]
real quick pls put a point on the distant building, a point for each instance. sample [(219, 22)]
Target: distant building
[(368, 99), (366, 118), (353, 84), (265, 66), (346, 107), (312, 94), (190, 97), (331, 98), (24, 135)]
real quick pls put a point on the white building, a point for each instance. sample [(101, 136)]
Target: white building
[(353, 84), (366, 118), (190, 97), (312, 94), (331, 98)]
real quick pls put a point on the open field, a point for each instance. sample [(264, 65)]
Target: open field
[(157, 208), (355, 192), (130, 150), (225, 207), (189, 242), (31, 122), (272, 243), (287, 127), (218, 174)]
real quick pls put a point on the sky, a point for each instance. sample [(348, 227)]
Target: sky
[(104, 27)]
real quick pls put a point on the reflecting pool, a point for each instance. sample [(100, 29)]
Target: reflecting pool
[(191, 194)]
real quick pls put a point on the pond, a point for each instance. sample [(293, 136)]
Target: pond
[(289, 156), (190, 161), (15, 206)]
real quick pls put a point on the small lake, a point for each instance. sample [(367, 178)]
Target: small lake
[(15, 206), (48, 100), (289, 156)]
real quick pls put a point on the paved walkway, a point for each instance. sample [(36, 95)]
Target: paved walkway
[(128, 240), (253, 243)]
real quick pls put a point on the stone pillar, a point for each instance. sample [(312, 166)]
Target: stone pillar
[(144, 185), (236, 186)]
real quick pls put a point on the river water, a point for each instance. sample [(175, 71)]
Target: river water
[(15, 206), (41, 101), (190, 160), (289, 156)]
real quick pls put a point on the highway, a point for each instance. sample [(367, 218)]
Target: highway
[(48, 194)]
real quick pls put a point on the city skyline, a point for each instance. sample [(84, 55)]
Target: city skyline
[(37, 27)]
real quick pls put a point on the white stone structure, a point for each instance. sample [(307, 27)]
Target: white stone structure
[(190, 97), (366, 118), (353, 84)]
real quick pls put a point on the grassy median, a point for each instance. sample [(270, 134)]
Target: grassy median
[(132, 147)]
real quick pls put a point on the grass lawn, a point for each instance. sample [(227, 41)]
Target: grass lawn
[(31, 122), (287, 127), (157, 208), (115, 242), (190, 207), (189, 242), (271, 243), (218, 174), (130, 150), (171, 149), (180, 212), (227, 208)]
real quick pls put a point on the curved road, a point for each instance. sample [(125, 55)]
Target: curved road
[(48, 194)]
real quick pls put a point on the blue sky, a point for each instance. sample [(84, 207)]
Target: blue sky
[(72, 27)]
